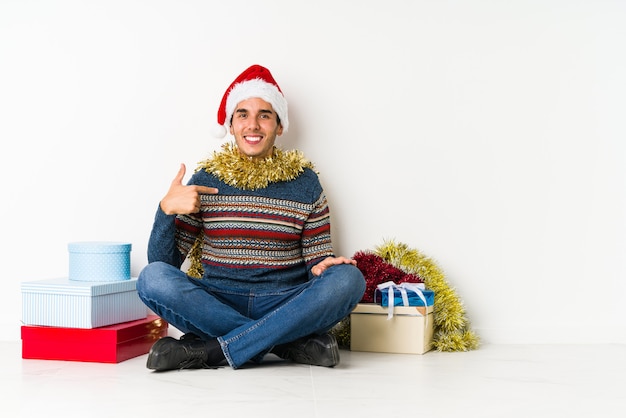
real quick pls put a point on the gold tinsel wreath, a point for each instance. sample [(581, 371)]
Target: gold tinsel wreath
[(451, 326)]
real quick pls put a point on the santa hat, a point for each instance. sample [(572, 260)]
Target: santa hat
[(256, 81)]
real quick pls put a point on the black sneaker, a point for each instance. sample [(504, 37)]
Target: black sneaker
[(190, 352), (317, 350)]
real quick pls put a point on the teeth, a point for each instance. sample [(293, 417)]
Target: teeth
[(253, 138)]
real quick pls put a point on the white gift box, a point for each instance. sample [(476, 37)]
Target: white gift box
[(99, 261), (74, 304), (408, 331)]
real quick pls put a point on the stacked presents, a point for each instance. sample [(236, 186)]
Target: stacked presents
[(400, 320), (94, 314)]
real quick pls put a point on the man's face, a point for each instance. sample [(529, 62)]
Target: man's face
[(255, 127)]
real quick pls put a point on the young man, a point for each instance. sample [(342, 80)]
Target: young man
[(254, 221)]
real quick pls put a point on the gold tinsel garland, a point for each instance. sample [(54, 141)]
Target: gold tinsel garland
[(247, 173), (451, 327)]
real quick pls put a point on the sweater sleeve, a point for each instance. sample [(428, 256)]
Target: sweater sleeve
[(162, 244), (316, 238)]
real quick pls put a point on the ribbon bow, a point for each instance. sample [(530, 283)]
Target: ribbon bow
[(402, 287)]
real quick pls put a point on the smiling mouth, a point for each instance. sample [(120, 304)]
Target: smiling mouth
[(253, 138)]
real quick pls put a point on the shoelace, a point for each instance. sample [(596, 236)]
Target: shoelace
[(195, 359)]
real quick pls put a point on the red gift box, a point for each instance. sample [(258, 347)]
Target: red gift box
[(110, 344)]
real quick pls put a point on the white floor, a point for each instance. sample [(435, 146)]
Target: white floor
[(493, 381)]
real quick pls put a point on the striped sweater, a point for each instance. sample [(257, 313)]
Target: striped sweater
[(263, 239)]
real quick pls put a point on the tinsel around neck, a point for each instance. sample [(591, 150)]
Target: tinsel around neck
[(238, 170)]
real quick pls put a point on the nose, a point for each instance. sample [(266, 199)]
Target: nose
[(252, 123)]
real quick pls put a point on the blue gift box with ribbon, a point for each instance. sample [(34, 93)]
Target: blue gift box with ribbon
[(382, 298), (390, 294)]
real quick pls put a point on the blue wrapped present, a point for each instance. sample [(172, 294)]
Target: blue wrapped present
[(404, 294)]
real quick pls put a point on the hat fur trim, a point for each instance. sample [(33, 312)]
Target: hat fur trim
[(261, 89)]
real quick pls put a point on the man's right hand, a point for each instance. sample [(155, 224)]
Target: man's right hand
[(181, 199)]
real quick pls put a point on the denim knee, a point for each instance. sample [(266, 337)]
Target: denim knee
[(347, 281), (150, 278)]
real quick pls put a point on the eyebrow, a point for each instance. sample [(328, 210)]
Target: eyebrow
[(265, 111)]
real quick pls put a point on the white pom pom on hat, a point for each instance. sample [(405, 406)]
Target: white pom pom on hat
[(218, 131), (255, 81)]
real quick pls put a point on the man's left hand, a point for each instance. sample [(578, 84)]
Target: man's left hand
[(320, 267)]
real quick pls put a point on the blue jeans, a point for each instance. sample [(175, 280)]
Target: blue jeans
[(248, 324)]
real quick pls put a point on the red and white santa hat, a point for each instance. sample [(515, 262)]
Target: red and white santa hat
[(256, 81)]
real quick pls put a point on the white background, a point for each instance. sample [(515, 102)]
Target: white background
[(487, 134)]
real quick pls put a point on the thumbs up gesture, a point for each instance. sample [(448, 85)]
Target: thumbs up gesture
[(181, 199)]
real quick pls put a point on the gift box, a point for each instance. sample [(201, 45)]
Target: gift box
[(409, 330), (110, 344), (413, 298), (74, 304), (99, 261)]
